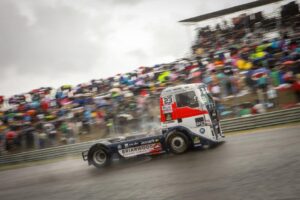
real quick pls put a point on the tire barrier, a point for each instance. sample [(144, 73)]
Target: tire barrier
[(228, 125)]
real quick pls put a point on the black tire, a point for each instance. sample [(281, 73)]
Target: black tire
[(178, 143), (100, 157)]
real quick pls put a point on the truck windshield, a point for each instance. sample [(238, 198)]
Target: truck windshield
[(206, 97)]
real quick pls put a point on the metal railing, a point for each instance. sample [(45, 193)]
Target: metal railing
[(228, 125)]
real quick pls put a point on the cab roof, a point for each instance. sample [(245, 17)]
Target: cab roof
[(181, 88)]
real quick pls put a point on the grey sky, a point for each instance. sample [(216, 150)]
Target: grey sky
[(56, 42)]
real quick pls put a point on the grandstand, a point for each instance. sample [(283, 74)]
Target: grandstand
[(285, 17), (230, 10)]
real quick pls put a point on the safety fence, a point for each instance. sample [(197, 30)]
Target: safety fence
[(228, 125)]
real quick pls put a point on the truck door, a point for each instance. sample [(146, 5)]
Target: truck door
[(187, 109)]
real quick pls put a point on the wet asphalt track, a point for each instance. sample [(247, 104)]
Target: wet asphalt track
[(261, 165)]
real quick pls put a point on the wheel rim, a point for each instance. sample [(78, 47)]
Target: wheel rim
[(99, 157), (178, 144)]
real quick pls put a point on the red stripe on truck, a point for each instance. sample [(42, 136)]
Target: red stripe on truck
[(186, 112), (162, 116), (179, 113)]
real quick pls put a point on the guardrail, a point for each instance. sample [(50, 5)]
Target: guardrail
[(261, 120), (228, 125)]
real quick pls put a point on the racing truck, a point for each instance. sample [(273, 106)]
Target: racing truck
[(189, 119)]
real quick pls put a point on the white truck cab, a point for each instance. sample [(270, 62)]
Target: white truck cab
[(190, 108)]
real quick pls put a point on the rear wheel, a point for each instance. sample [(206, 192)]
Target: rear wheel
[(100, 158), (178, 143)]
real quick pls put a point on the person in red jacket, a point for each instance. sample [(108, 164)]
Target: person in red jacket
[(296, 87), (1, 100)]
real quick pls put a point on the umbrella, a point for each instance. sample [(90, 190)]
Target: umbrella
[(243, 65), (128, 94), (79, 95), (34, 91), (234, 47), (35, 104), (194, 70), (27, 118), (2, 127), (31, 112), (262, 47), (211, 67), (199, 51), (162, 77), (49, 117), (224, 113), (288, 62), (143, 92), (126, 116), (115, 92), (65, 87), (65, 101), (139, 82), (10, 135), (218, 63), (11, 115), (78, 110), (88, 94), (245, 49), (194, 74), (101, 103), (19, 114), (258, 55), (260, 72)]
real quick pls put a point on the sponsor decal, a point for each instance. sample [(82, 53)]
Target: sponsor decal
[(167, 108), (207, 122), (199, 121), (133, 144), (147, 141), (156, 148), (202, 130), (142, 149)]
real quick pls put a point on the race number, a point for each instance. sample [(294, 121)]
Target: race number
[(167, 100)]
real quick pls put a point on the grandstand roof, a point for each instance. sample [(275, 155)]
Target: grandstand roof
[(230, 10)]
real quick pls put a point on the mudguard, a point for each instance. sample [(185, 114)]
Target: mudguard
[(97, 146)]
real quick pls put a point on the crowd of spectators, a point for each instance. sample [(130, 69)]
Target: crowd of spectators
[(255, 54), (255, 58)]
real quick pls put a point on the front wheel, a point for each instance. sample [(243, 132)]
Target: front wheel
[(100, 158), (178, 143)]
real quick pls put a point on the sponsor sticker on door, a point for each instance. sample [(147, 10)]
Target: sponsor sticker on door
[(167, 109)]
